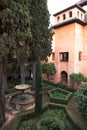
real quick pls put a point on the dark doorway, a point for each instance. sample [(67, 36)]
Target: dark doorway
[(64, 77)]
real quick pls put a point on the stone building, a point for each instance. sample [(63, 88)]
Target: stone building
[(70, 32)]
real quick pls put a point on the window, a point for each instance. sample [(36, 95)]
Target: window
[(78, 14), (58, 18), (81, 16), (64, 16), (64, 56), (80, 55), (53, 56), (70, 14)]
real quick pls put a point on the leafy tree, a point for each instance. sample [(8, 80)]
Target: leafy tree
[(40, 44), (76, 78), (6, 41), (14, 36), (41, 33), (48, 69), (15, 30), (22, 34)]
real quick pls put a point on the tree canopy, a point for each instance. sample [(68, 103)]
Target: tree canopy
[(15, 26), (41, 33), (15, 35)]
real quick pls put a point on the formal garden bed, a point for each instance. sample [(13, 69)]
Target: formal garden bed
[(59, 95), (54, 117)]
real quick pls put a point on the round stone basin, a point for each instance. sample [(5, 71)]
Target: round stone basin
[(22, 87), (16, 99)]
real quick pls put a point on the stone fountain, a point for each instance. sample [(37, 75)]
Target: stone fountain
[(22, 88), (23, 99)]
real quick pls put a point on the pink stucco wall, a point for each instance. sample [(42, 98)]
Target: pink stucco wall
[(71, 38)]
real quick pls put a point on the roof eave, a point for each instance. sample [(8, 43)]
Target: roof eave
[(74, 20), (73, 6)]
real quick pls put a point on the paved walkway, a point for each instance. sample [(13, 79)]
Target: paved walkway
[(9, 119), (74, 110)]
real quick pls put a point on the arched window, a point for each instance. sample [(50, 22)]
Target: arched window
[(70, 14), (64, 16), (58, 18), (81, 16), (78, 14)]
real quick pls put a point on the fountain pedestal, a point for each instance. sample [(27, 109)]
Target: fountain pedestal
[(22, 88)]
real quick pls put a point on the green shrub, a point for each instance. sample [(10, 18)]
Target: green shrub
[(85, 79), (49, 123), (26, 125), (48, 69), (11, 90), (81, 100), (59, 95), (46, 86), (1, 121), (62, 85), (54, 119), (76, 78)]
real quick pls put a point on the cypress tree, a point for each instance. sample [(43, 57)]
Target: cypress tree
[(38, 92), (41, 33), (40, 44), (15, 36)]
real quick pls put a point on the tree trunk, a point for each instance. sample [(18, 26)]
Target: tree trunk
[(22, 69), (2, 92), (5, 72), (38, 88), (34, 76)]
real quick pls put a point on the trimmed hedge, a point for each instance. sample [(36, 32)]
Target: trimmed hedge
[(60, 106), (58, 99), (49, 82), (81, 100), (31, 114), (60, 85), (65, 86), (26, 125), (70, 115)]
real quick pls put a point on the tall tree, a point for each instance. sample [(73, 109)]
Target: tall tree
[(14, 37), (5, 46), (41, 35), (2, 93), (22, 34), (38, 93)]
